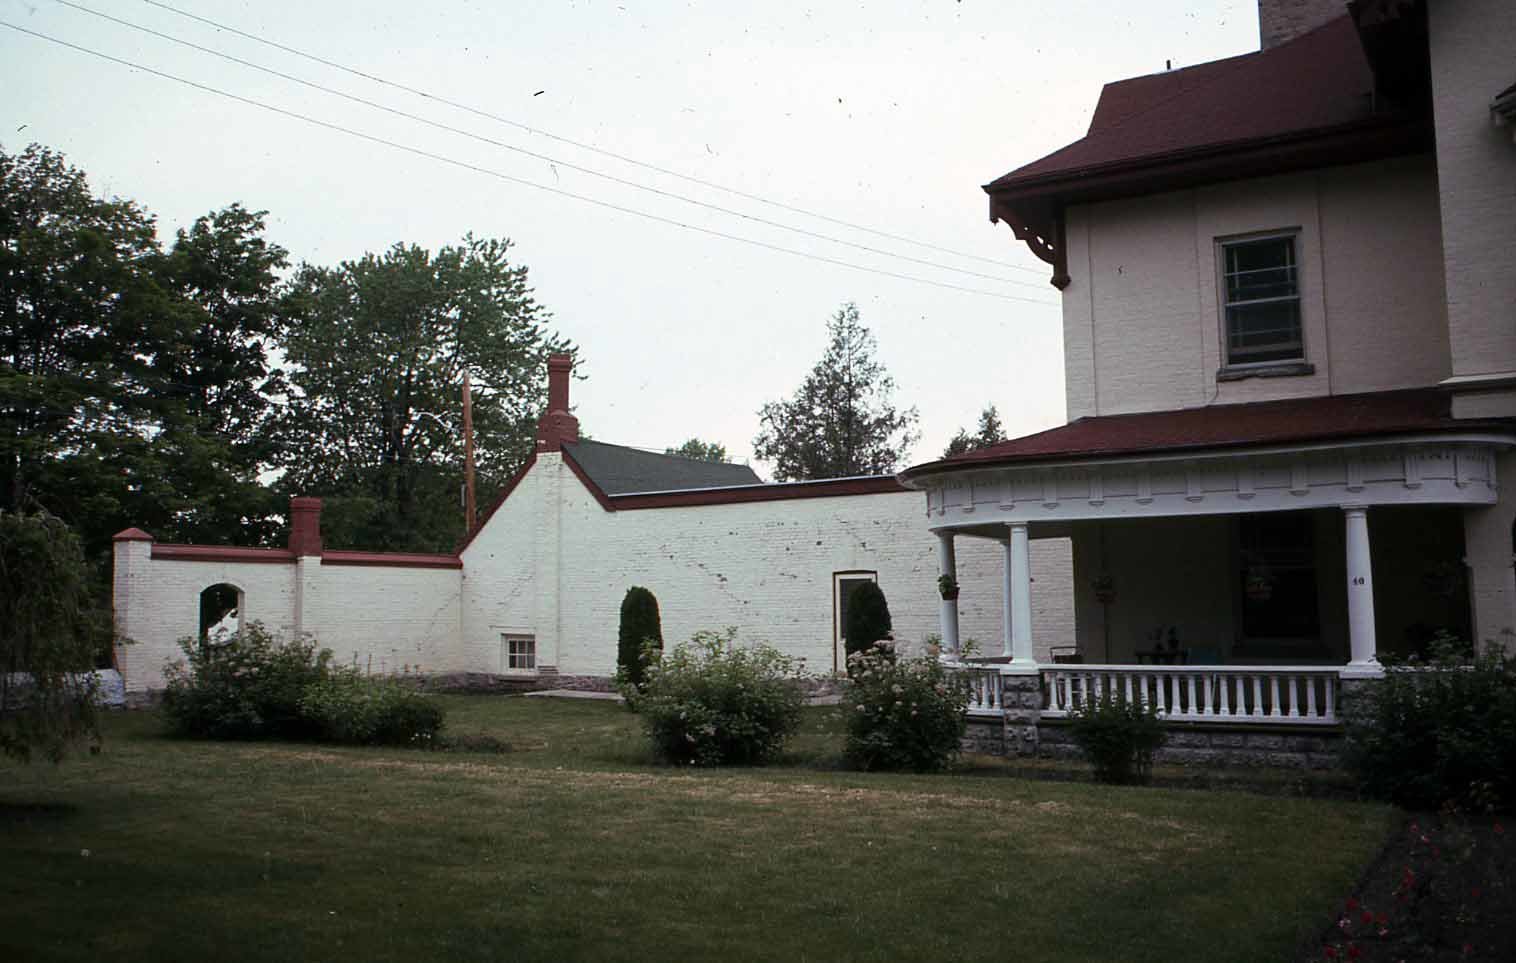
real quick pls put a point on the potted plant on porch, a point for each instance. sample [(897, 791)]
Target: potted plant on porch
[(948, 586)]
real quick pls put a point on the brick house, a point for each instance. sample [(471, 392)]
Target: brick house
[(533, 594), (1289, 313)]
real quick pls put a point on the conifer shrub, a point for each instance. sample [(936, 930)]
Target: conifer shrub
[(712, 702), (1118, 736), (868, 619), (640, 638), (902, 713)]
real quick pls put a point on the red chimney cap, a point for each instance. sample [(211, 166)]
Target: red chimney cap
[(131, 535)]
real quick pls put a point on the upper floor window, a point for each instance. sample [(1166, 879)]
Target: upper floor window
[(1261, 302)]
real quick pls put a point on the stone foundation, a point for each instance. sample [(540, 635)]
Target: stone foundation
[(1238, 746)]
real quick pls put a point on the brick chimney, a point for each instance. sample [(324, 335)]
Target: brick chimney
[(1281, 20), (557, 425), (305, 526)]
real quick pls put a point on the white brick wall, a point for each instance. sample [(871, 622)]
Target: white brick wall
[(1142, 321), (1472, 61), (765, 567)]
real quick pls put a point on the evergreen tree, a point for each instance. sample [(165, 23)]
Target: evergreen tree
[(990, 433), (841, 421), (640, 624)]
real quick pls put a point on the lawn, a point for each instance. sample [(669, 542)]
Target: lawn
[(573, 846)]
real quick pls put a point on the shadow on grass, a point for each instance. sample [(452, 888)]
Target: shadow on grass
[(23, 814)]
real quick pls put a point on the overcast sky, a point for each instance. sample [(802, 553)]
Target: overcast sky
[(884, 115)]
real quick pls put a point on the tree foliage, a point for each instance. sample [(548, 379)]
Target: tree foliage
[(699, 450), (378, 348), (640, 625), (841, 421), (132, 380), (50, 630), (990, 433), (868, 618)]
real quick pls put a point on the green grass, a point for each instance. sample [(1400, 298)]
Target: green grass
[(573, 846)]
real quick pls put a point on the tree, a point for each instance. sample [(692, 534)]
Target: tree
[(132, 382), (50, 629), (640, 625), (868, 617), (989, 433), (841, 421), (699, 450), (378, 348)]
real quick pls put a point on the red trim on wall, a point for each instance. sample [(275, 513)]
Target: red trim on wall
[(392, 559), (488, 513), (781, 491), (223, 553), (131, 535), (588, 483)]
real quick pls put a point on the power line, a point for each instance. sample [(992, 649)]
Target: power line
[(542, 157), (420, 152), (580, 144)]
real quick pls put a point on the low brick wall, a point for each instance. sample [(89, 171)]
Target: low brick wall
[(1231, 745)]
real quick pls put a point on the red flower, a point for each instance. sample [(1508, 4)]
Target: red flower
[(1499, 830), (1381, 918), (1353, 951), (1331, 952), (1352, 904), (1474, 892), (1367, 917)]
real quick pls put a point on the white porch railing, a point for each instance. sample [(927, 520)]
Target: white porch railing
[(1293, 695), (985, 692)]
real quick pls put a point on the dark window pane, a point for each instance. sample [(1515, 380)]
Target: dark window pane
[(1262, 301), (1278, 574), (845, 587)]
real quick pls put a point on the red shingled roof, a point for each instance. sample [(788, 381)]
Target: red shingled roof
[(1299, 420), (1319, 81)]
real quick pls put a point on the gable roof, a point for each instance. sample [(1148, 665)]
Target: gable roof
[(1253, 424), (618, 470)]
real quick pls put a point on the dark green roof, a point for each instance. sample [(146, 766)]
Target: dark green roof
[(621, 471)]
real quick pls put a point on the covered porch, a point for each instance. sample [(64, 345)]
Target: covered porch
[(1224, 580)]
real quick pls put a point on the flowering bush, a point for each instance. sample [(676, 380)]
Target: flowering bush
[(251, 686), (245, 687), (1440, 730), (1118, 736), (711, 702), (902, 713), (350, 708)]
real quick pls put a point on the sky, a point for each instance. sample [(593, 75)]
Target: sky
[(885, 116)]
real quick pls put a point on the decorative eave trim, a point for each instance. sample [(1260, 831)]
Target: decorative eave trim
[(775, 492), (1043, 236)]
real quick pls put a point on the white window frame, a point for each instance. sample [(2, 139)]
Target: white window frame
[(839, 653), (509, 656), (1222, 243)]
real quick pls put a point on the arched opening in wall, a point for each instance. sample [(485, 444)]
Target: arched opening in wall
[(220, 612)]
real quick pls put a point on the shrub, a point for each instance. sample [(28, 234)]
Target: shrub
[(51, 627), (1118, 736), (1442, 730), (246, 687), (902, 713), (868, 618), (711, 702), (350, 708), (640, 637)]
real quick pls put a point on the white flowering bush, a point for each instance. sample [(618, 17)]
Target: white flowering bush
[(902, 713), (712, 702), (247, 686)]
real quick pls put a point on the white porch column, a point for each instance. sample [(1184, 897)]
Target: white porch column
[(1361, 641), (1019, 591), (948, 566), (1007, 609)]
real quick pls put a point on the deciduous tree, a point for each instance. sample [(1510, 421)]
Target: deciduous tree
[(699, 450), (990, 433)]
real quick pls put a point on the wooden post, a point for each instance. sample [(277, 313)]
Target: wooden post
[(468, 455)]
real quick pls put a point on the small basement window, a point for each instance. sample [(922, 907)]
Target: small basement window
[(520, 652), (1261, 300)]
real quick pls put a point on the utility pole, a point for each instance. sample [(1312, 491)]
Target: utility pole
[(468, 455)]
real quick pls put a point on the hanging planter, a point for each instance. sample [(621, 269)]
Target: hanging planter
[(1105, 589), (948, 586), (1259, 587)]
